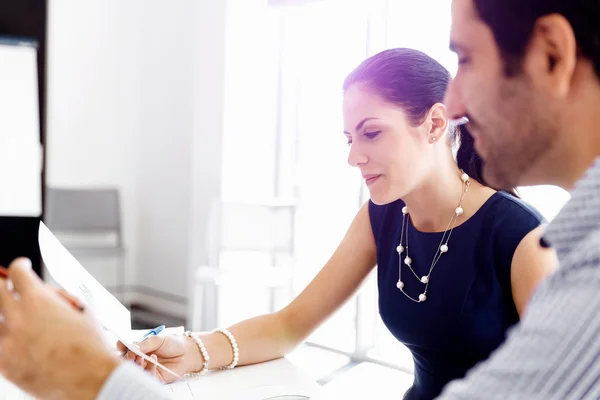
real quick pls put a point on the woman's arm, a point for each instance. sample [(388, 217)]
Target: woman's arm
[(531, 263), (273, 335)]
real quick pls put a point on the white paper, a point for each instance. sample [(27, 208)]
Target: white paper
[(69, 274), (133, 348)]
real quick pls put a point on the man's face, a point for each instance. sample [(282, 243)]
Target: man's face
[(508, 116)]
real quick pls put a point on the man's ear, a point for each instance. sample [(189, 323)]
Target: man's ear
[(551, 55)]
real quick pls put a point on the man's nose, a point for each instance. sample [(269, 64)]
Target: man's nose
[(453, 101)]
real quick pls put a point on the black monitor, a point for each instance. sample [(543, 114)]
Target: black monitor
[(26, 20)]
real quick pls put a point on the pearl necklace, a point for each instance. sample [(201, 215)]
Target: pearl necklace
[(442, 248)]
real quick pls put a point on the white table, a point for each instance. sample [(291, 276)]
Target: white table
[(254, 382)]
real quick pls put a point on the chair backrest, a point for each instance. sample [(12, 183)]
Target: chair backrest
[(83, 211), (251, 226)]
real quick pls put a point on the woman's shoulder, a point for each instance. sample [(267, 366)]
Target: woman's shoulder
[(385, 217), (508, 219), (505, 207)]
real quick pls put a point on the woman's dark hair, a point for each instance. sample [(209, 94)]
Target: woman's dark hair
[(415, 82)]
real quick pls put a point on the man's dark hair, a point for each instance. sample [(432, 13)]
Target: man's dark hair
[(512, 23)]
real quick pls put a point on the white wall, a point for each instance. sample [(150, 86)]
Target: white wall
[(135, 93), (181, 162), (164, 171), (94, 107), (249, 131)]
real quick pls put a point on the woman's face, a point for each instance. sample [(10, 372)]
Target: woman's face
[(390, 153)]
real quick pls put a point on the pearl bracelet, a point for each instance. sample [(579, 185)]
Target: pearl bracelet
[(234, 348), (203, 351)]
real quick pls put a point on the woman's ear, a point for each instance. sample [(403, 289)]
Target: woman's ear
[(437, 122)]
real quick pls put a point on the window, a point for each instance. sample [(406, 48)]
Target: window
[(548, 200), (284, 124), (315, 62)]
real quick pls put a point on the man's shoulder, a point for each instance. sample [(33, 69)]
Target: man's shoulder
[(578, 272), (585, 254)]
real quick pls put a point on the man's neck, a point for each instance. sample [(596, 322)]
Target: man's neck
[(580, 147), (581, 133)]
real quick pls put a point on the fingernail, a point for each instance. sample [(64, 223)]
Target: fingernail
[(25, 262)]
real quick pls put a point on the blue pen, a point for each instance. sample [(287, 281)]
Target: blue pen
[(152, 332)]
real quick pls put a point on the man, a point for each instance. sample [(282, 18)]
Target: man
[(529, 82), (53, 351)]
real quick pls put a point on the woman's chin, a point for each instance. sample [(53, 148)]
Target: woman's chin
[(379, 198)]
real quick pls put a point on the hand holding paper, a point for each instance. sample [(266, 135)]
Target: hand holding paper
[(70, 299), (175, 352), (41, 331), (69, 273)]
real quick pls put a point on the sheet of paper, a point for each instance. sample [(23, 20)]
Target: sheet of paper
[(133, 348), (70, 274)]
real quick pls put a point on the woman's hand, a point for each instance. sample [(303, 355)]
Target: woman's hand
[(176, 352)]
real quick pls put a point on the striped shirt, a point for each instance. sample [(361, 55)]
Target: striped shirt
[(130, 382), (554, 352)]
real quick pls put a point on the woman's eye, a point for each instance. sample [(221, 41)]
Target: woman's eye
[(372, 135)]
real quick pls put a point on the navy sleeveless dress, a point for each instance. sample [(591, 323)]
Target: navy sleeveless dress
[(469, 302)]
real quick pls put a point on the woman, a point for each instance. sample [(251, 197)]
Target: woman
[(457, 261)]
